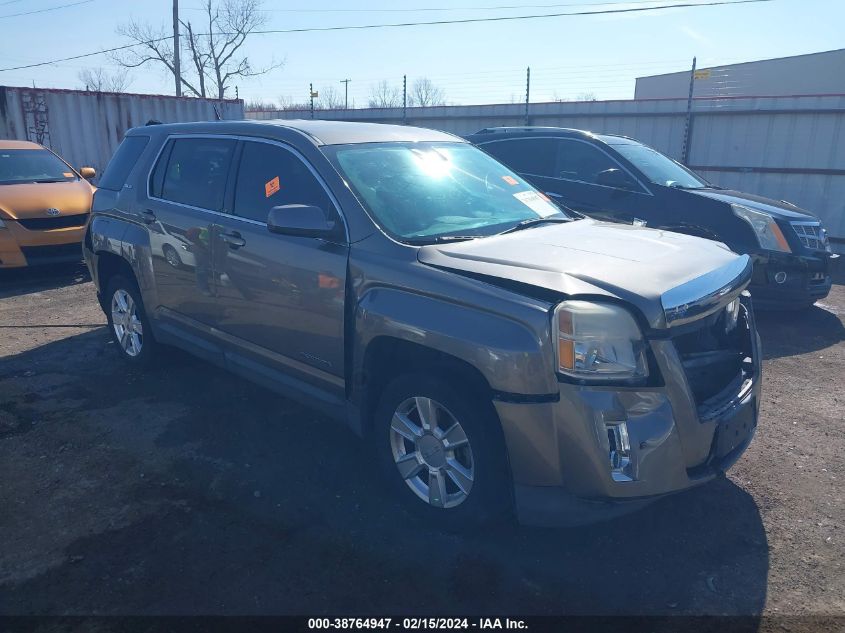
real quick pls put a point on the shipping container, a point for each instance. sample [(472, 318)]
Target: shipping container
[(85, 127)]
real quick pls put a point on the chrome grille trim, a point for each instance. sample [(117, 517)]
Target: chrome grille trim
[(811, 235)]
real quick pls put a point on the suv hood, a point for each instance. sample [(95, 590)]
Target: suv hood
[(777, 208), (31, 200), (656, 271)]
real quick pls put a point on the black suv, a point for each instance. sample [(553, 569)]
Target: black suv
[(618, 179)]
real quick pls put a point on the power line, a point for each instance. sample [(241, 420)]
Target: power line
[(360, 27), (441, 9), (61, 6)]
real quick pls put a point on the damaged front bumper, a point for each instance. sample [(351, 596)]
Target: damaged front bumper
[(604, 450)]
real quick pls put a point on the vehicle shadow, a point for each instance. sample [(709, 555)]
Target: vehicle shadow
[(16, 282), (186, 490), (785, 333)]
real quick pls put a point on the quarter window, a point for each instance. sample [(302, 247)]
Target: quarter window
[(122, 162), (195, 172), (271, 176)]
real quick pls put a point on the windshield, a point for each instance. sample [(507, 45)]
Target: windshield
[(420, 192), (32, 165), (660, 169)]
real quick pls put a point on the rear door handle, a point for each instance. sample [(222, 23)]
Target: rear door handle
[(148, 216), (233, 239)]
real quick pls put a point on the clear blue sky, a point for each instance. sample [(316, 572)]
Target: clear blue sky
[(472, 63)]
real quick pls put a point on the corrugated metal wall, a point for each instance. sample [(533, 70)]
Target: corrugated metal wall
[(85, 128), (790, 148)]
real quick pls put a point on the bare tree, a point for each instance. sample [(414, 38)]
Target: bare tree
[(286, 102), (214, 48), (425, 93), (330, 99), (100, 80), (259, 105), (154, 46), (383, 95)]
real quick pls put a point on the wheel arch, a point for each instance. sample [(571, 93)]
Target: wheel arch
[(498, 354)]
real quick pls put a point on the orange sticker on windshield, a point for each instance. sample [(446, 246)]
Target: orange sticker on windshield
[(271, 187), (67, 174), (510, 180)]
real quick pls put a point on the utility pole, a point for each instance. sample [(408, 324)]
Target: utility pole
[(527, 91), (311, 93), (688, 126), (345, 83), (177, 71), (405, 99)]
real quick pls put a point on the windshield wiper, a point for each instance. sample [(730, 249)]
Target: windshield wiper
[(441, 239), (675, 185), (534, 222)]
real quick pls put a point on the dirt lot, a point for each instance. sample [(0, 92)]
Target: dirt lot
[(189, 490)]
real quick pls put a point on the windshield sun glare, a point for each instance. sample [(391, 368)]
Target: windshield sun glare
[(420, 192)]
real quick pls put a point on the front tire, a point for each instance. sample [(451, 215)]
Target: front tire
[(128, 322), (441, 452)]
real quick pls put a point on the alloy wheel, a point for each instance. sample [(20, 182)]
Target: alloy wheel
[(126, 323), (432, 452)]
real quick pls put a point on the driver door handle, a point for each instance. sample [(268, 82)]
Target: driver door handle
[(233, 239)]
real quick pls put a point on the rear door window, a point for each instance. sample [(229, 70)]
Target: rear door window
[(196, 171), (124, 159), (531, 156), (271, 176)]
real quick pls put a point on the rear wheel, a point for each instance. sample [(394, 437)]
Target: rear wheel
[(128, 321), (172, 256), (441, 452)]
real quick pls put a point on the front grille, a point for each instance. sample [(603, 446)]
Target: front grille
[(716, 362), (59, 222), (52, 254), (811, 234)]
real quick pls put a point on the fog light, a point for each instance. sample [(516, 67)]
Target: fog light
[(620, 451), (780, 277)]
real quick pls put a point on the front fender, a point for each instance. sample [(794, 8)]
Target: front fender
[(513, 353)]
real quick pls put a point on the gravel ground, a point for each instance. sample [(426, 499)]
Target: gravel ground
[(188, 490)]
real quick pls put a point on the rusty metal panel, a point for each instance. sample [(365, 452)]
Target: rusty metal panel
[(85, 128)]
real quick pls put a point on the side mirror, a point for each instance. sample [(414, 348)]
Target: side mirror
[(303, 220), (87, 172), (615, 178)]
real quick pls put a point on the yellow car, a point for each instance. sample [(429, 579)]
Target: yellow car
[(44, 205)]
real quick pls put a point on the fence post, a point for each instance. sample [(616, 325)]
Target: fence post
[(404, 99), (685, 150), (527, 91)]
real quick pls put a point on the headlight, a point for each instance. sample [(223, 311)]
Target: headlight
[(597, 341), (768, 232)]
